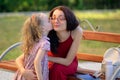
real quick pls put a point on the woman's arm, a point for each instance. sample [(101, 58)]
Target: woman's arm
[(28, 74), (37, 63), (19, 63), (85, 71), (76, 35)]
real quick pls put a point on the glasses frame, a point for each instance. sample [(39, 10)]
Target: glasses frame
[(59, 19)]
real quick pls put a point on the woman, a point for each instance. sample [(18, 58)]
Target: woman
[(64, 38)]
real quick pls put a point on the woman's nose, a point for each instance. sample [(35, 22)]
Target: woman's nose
[(56, 20)]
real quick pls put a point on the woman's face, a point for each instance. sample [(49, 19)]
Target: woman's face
[(58, 20)]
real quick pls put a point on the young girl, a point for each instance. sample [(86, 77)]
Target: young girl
[(35, 45)]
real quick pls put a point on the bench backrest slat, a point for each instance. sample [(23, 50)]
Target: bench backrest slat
[(102, 36)]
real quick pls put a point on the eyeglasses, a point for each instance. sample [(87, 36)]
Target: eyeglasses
[(60, 18)]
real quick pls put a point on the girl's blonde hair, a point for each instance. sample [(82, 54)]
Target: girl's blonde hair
[(31, 32)]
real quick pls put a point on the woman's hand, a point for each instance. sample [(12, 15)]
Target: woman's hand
[(29, 75)]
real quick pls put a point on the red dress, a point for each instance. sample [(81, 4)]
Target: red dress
[(58, 71)]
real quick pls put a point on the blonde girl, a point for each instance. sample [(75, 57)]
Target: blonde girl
[(33, 63)]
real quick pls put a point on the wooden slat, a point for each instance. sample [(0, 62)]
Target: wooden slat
[(9, 65), (89, 57), (102, 36)]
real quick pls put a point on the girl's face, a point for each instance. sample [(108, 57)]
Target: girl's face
[(58, 20), (47, 26)]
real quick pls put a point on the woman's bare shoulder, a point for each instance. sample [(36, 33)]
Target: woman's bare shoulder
[(77, 32)]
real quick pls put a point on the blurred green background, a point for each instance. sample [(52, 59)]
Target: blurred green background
[(102, 14), (45, 5)]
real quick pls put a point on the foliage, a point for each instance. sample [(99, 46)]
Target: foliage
[(43, 5)]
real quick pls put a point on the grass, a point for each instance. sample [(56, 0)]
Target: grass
[(10, 27), (108, 21)]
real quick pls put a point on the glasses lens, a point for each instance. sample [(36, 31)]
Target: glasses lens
[(60, 19)]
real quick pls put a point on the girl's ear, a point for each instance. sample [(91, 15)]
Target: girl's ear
[(43, 28)]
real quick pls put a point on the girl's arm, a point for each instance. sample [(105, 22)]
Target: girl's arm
[(76, 35), (37, 63), (45, 46)]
